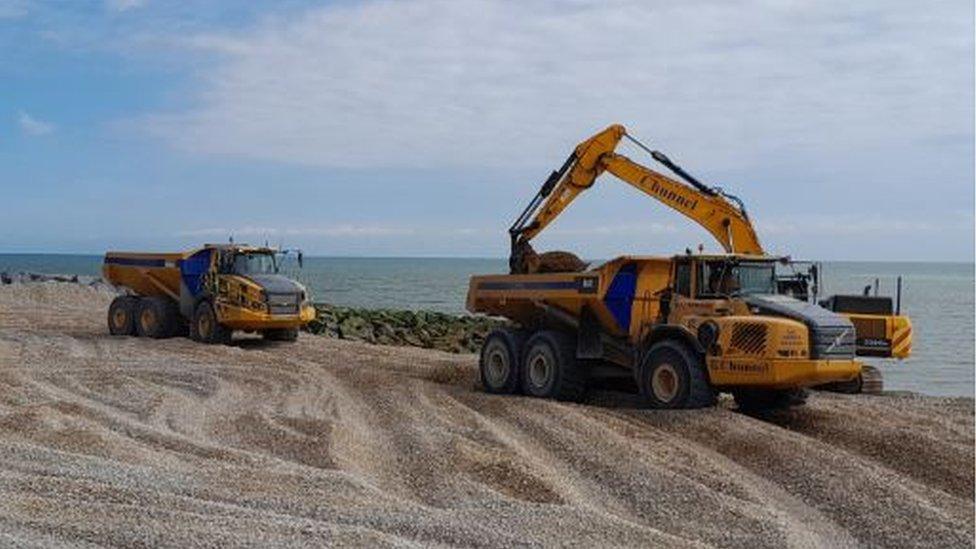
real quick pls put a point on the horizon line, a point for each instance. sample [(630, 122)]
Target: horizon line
[(503, 258)]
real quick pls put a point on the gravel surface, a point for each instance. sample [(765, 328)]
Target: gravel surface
[(131, 442)]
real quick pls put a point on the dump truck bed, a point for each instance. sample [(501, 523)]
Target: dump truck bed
[(514, 296), (618, 293), (145, 273)]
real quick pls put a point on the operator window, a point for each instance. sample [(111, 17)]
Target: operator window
[(225, 263), (682, 279), (727, 278)]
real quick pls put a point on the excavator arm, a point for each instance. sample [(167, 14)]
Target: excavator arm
[(721, 214)]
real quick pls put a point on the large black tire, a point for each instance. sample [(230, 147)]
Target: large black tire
[(122, 315), (157, 317), (205, 328), (281, 334), (758, 400), (550, 368), (673, 376), (500, 363)]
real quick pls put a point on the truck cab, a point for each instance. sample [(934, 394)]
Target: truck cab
[(714, 283), (749, 332)]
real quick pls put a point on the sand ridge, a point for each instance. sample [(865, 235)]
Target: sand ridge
[(124, 441)]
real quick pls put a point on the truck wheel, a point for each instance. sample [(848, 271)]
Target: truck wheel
[(672, 376), (156, 317), (282, 334), (757, 400), (550, 368), (121, 315), (499, 363), (205, 328)]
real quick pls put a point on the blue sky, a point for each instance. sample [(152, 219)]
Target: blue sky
[(420, 128)]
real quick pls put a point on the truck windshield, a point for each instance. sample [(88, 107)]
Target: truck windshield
[(722, 278), (256, 263)]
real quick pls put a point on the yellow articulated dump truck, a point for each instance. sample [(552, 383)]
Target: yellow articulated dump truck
[(684, 327), (207, 293)]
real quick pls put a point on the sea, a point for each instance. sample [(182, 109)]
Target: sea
[(939, 298)]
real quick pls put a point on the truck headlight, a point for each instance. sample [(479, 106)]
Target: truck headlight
[(261, 302), (707, 334)]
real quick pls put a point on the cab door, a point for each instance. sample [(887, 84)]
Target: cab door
[(228, 290), (682, 289)]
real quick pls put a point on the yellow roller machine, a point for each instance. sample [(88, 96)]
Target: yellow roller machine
[(881, 328), (685, 327), (207, 292)]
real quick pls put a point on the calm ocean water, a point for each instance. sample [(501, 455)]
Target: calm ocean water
[(939, 297)]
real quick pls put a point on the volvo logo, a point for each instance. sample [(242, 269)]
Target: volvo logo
[(839, 339)]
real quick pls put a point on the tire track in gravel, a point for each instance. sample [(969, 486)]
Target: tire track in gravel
[(124, 441)]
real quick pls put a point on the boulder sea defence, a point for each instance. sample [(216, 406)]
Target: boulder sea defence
[(427, 329), (27, 277)]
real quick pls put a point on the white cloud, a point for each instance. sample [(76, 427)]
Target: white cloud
[(347, 230), (468, 82), (32, 126), (123, 5), (13, 9), (864, 224)]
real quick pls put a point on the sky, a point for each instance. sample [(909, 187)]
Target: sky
[(423, 127)]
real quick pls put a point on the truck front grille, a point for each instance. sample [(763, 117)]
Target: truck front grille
[(832, 342), (749, 338), (873, 328), (283, 304)]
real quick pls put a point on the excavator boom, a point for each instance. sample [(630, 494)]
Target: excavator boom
[(728, 223), (720, 214)]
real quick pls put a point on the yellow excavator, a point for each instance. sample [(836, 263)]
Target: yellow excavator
[(721, 214), (686, 327)]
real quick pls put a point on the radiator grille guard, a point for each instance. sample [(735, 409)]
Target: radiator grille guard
[(749, 338), (832, 336), (832, 342), (284, 303), (874, 328)]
